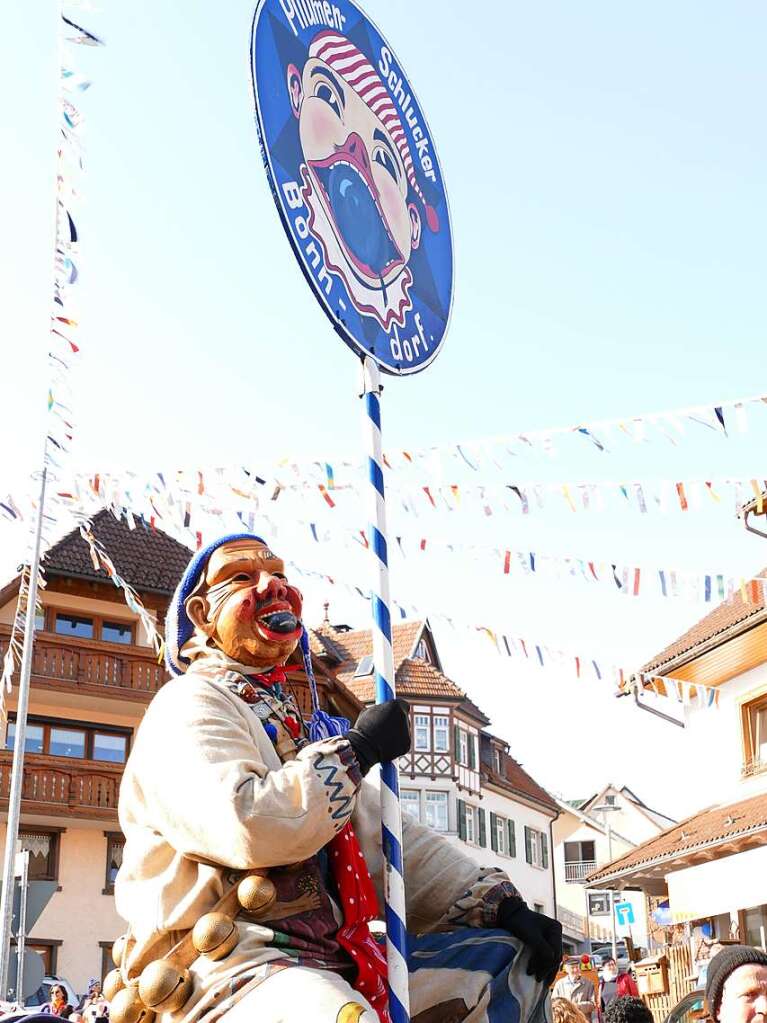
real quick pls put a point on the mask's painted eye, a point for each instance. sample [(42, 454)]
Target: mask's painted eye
[(241, 577), (384, 158), (324, 92)]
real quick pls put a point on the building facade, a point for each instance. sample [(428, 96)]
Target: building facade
[(707, 873), (586, 837), (94, 672), (458, 778)]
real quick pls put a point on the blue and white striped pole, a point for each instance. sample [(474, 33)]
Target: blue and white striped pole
[(383, 659)]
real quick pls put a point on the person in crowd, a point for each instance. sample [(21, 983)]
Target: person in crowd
[(58, 1005), (736, 985), (615, 983), (93, 1007), (627, 1009), (576, 988), (563, 1011)]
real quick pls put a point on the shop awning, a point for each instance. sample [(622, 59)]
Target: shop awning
[(732, 882)]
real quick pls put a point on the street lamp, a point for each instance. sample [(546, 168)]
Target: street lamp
[(607, 809)]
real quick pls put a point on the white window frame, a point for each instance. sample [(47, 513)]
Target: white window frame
[(463, 747), (501, 835), (441, 722), (421, 722), (437, 799), (471, 824), (405, 796)]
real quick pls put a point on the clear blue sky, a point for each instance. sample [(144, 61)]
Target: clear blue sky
[(606, 167)]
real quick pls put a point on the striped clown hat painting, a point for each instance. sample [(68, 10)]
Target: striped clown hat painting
[(356, 178)]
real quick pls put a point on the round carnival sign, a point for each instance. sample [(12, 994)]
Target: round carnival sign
[(355, 175)]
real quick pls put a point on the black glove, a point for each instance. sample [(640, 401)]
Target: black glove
[(541, 935), (380, 734)]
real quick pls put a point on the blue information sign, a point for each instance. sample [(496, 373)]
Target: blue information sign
[(356, 178)]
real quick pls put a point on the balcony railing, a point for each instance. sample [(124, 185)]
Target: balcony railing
[(755, 765), (62, 662), (580, 870), (64, 787), (573, 923)]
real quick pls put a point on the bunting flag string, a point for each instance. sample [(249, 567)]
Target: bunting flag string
[(101, 560), (181, 510), (516, 498), (544, 656), (62, 333)]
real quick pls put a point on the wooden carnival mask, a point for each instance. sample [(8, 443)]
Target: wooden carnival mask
[(245, 606)]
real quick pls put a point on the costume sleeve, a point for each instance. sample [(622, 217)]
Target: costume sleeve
[(207, 791), (444, 888)]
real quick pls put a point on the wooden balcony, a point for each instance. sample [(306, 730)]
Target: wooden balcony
[(60, 787), (92, 668)]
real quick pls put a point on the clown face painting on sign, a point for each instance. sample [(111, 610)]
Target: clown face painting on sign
[(355, 177)]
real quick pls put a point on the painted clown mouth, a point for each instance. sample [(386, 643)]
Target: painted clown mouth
[(351, 198)]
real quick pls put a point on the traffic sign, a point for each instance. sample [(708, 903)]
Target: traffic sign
[(354, 171), (34, 971), (624, 914), (39, 894)]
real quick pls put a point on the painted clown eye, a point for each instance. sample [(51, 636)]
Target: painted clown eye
[(384, 158), (324, 92)]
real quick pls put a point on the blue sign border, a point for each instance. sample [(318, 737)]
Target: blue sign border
[(411, 338)]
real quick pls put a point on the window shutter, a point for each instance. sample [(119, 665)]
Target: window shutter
[(482, 827), (512, 839), (472, 752), (528, 844), (462, 820), (493, 832), (457, 743), (544, 851)]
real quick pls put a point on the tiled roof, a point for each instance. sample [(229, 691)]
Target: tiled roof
[(414, 677), (352, 646), (718, 824), (728, 614), (515, 776), (150, 560)]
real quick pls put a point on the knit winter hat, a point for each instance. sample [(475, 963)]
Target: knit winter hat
[(725, 963), (340, 54), (178, 624)]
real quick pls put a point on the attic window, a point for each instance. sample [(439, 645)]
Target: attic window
[(610, 800), (423, 651), (365, 667)]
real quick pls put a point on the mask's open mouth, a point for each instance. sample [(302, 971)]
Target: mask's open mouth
[(351, 198), (278, 622)]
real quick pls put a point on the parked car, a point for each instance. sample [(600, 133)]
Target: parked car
[(602, 951), (43, 993), (689, 1009)]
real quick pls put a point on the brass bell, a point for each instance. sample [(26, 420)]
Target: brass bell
[(123, 944), (215, 935), (127, 1007), (113, 982), (256, 894), (164, 986)]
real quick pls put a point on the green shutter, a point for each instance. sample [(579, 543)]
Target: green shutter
[(528, 845), (462, 820), (512, 839), (482, 828), (472, 752), (457, 743), (544, 851), (493, 832)]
